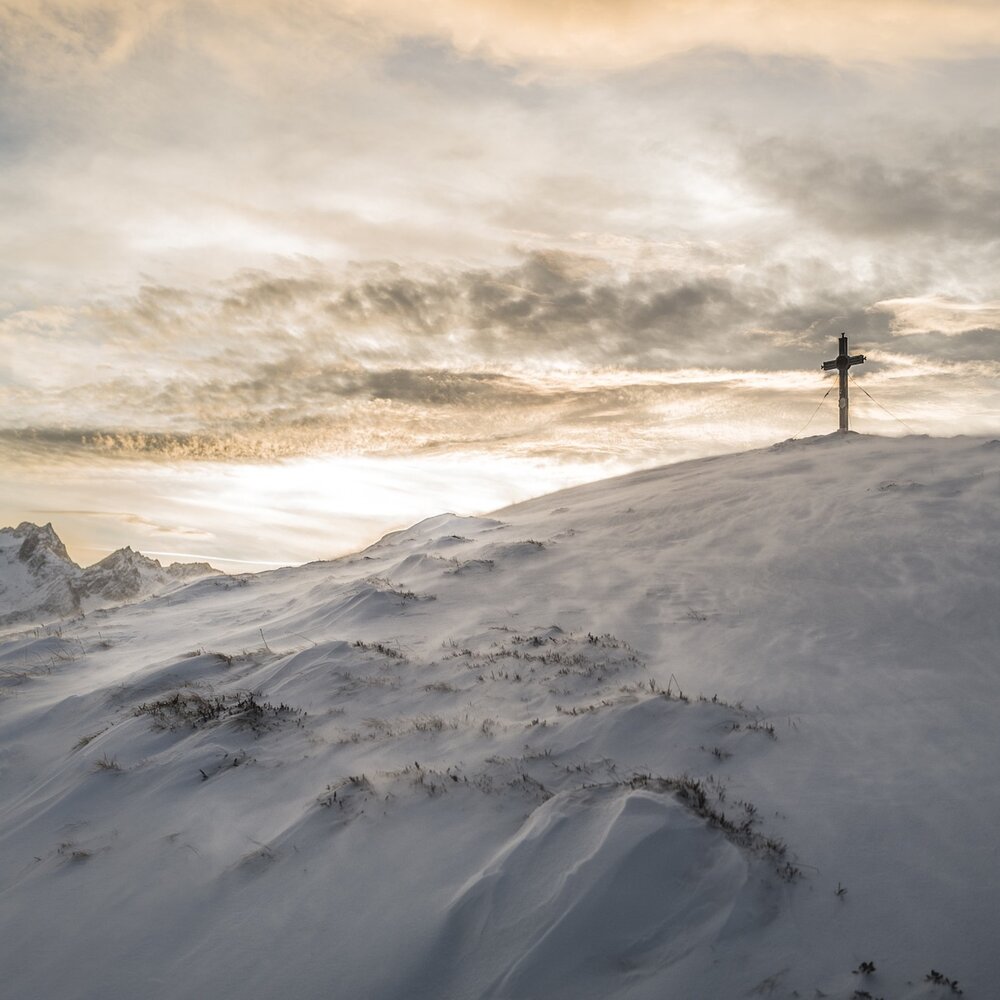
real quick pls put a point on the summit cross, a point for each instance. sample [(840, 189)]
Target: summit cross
[(842, 362)]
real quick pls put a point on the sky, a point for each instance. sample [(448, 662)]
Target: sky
[(276, 278)]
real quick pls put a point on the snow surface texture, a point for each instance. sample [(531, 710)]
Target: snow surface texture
[(722, 729), (38, 580)]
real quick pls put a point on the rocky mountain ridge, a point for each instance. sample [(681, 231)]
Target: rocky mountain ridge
[(38, 579)]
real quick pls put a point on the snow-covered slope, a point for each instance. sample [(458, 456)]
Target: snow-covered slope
[(38, 580), (722, 729)]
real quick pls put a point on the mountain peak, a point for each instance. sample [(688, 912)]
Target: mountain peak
[(38, 577), (126, 557), (36, 540)]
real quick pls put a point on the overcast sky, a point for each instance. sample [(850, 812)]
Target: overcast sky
[(276, 277)]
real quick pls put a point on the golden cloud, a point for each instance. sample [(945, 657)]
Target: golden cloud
[(620, 33), (946, 316), (250, 35)]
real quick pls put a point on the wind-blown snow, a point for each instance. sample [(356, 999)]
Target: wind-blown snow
[(721, 729)]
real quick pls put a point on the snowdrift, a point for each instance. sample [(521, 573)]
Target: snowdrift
[(721, 729)]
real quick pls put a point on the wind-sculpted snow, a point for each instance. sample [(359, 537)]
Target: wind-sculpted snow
[(631, 874), (722, 729)]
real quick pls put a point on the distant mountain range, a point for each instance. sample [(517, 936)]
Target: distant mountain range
[(38, 579)]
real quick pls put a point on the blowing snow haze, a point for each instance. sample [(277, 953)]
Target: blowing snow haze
[(723, 728)]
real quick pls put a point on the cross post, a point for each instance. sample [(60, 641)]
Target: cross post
[(842, 362)]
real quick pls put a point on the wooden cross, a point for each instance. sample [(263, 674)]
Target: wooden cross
[(842, 362)]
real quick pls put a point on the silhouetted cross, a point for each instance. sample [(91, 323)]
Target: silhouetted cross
[(842, 362)]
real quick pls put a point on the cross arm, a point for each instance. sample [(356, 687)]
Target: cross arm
[(843, 361)]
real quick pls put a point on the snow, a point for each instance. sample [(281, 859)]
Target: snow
[(627, 740)]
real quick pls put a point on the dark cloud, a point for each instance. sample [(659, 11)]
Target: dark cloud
[(982, 344), (945, 186), (326, 336), (554, 304), (257, 293), (549, 305)]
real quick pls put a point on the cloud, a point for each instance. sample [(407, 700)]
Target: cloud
[(260, 44), (381, 412), (178, 139), (549, 352), (944, 185), (547, 308), (251, 41), (616, 33), (144, 524), (940, 315)]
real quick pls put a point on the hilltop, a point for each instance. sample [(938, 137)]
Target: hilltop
[(719, 729)]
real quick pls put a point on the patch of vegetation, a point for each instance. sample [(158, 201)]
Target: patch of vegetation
[(940, 979), (471, 566), (227, 659), (654, 688), (71, 852), (394, 728), (584, 709), (188, 707), (705, 798), (380, 647), (84, 740), (716, 700), (342, 793), (568, 654), (756, 726), (106, 763), (431, 724), (227, 762), (354, 682), (386, 586)]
